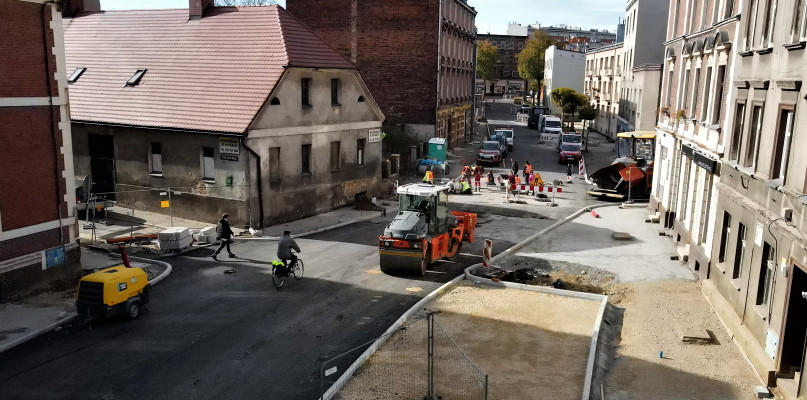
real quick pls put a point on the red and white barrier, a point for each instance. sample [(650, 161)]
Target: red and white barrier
[(582, 174), (486, 251), (536, 189)]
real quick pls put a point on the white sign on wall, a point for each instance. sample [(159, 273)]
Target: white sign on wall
[(375, 135), (771, 344), (228, 145)]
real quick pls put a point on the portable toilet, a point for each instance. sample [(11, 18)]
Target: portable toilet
[(437, 148)]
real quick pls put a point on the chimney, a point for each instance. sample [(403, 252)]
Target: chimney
[(71, 7), (197, 7)]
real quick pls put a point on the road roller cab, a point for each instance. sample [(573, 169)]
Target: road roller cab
[(113, 291), (424, 230)]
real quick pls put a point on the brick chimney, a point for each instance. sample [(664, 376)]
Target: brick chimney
[(197, 7), (71, 7)]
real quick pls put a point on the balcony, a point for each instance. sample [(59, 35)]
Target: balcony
[(606, 72)]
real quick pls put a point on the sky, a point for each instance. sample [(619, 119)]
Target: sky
[(492, 16)]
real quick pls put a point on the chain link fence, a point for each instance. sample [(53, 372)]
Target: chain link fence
[(419, 361)]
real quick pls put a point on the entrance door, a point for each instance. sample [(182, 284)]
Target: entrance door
[(792, 355), (102, 165)]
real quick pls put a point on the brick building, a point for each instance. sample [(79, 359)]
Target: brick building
[(507, 78), (417, 57), (37, 224)]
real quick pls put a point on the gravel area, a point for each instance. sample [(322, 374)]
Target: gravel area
[(527, 342)]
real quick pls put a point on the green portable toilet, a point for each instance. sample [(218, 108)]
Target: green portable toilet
[(437, 148)]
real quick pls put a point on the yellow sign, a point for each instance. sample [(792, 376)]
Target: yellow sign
[(164, 204)]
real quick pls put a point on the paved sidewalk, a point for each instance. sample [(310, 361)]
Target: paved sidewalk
[(26, 319)]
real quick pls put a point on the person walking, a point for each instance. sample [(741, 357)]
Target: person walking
[(284, 247), (225, 235), (515, 166)]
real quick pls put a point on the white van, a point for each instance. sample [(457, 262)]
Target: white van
[(509, 134), (549, 124)]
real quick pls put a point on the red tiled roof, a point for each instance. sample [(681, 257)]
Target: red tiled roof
[(212, 74)]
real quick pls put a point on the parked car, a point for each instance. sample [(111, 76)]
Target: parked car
[(569, 152), (490, 152), (535, 117), (509, 134), (569, 137)]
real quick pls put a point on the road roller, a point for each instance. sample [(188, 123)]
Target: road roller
[(424, 230)]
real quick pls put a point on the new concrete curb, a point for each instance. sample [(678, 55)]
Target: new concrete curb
[(48, 328), (369, 216), (334, 389)]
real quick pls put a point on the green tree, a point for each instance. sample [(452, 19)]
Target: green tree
[(568, 101), (587, 113), (531, 60), (487, 55)]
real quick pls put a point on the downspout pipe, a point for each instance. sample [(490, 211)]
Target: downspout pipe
[(259, 179), (54, 145), (439, 66)]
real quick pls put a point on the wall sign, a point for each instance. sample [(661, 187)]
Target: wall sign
[(771, 344), (229, 145), (698, 158), (229, 157), (375, 135)]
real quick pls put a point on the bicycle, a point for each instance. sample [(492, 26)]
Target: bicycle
[(280, 272)]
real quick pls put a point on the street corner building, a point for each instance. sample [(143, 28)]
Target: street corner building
[(38, 248), (206, 110), (418, 57)]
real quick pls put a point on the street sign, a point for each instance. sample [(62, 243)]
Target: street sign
[(164, 203), (375, 135)]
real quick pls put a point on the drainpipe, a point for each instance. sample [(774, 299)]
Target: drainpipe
[(54, 146), (260, 185), (439, 62)]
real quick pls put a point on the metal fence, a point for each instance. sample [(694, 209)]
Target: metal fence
[(418, 361)]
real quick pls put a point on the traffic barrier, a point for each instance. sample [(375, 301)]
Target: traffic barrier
[(535, 189), (486, 252), (582, 174), (594, 213)]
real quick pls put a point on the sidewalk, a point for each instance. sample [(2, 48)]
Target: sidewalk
[(24, 320)]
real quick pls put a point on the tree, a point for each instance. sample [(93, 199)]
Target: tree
[(568, 101), (587, 113), (487, 55), (243, 2), (531, 60)]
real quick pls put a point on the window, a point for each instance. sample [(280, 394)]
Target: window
[(796, 28), (706, 91), (724, 237), (754, 132), (336, 156), (361, 99), (695, 92), (305, 156), (717, 102), (156, 159), (669, 88), (76, 74), (751, 28), (728, 10), (360, 152), (207, 164), (684, 90), (305, 88), (274, 164), (335, 88), (782, 149), (739, 252), (275, 101), (737, 133), (766, 269), (703, 15), (767, 24), (135, 79)]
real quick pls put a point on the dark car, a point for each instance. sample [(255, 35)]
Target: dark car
[(535, 117), (569, 152), (499, 136), (490, 152)]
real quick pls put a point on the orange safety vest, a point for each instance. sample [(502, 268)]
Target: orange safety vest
[(518, 181), (429, 176), (528, 169)]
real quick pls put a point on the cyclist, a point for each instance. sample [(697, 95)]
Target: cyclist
[(284, 247)]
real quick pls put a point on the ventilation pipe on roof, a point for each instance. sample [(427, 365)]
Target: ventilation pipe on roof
[(71, 7), (197, 7)]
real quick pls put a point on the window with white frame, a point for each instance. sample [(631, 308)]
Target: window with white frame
[(752, 139), (781, 152), (717, 102), (207, 164), (669, 88), (737, 133), (703, 20), (766, 270), (766, 34), (707, 89), (156, 159), (728, 9), (797, 28), (695, 92), (724, 237), (751, 25), (739, 252), (684, 91)]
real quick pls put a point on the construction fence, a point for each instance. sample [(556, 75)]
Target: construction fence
[(417, 361)]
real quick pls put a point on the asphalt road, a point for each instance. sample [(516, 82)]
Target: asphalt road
[(210, 335)]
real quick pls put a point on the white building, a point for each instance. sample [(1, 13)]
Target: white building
[(562, 68), (602, 80)]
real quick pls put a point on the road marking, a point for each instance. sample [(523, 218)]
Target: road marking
[(330, 371), (470, 255), (374, 271)]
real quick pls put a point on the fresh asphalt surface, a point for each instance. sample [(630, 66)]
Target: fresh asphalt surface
[(209, 335)]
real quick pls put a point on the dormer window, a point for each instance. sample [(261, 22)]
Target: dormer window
[(135, 79), (76, 74)]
